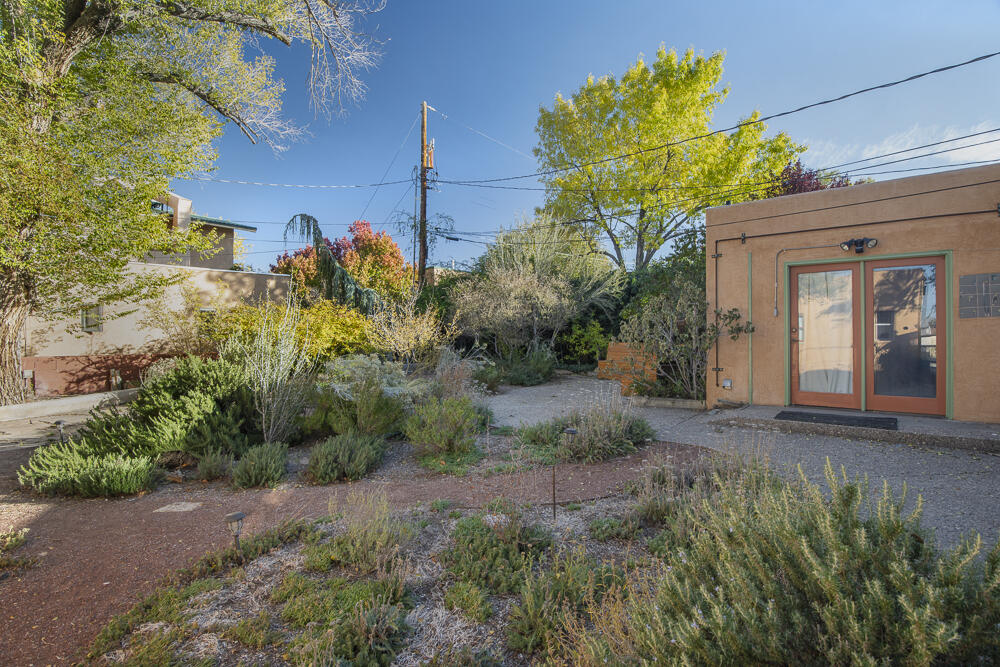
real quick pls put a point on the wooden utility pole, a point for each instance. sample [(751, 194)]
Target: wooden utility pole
[(422, 223)]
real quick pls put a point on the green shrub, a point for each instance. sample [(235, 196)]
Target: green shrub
[(214, 464), (440, 426), (489, 376), (255, 632), (349, 456), (763, 570), (456, 464), (72, 469), (608, 428), (529, 368), (606, 529), (371, 634), (494, 550), (307, 601), (194, 406), (10, 540), (470, 599), (582, 344), (218, 429), (549, 597), (263, 465), (440, 505), (370, 540), (366, 409)]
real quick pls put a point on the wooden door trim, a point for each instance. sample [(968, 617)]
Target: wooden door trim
[(823, 399), (908, 404)]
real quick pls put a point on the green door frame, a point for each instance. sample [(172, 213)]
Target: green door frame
[(949, 320)]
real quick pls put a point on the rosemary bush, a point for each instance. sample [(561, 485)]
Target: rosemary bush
[(765, 571)]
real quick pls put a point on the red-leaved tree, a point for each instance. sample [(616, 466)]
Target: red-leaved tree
[(372, 258), (796, 178)]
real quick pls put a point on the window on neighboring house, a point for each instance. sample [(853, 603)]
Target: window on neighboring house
[(885, 324), (91, 319)]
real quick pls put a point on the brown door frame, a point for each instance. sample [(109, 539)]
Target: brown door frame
[(852, 400), (932, 406)]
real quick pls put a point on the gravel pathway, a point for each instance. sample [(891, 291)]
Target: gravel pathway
[(959, 488)]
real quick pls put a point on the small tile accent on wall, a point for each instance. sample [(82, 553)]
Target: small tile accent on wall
[(979, 295)]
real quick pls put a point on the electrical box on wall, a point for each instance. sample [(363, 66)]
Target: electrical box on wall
[(727, 384)]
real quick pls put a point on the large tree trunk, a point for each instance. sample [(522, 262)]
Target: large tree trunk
[(14, 307)]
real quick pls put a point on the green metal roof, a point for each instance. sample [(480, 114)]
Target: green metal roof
[(221, 222)]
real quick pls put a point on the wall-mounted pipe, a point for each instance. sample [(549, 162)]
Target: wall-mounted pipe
[(778, 254), (744, 237)]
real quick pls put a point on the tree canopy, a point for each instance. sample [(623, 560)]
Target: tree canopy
[(531, 283), (102, 102), (371, 258), (615, 165)]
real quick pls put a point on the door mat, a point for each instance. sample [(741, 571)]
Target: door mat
[(886, 423)]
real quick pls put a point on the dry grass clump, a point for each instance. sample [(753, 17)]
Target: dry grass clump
[(607, 428), (370, 540)]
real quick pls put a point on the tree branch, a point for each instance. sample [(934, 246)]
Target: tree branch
[(207, 96), (187, 12)]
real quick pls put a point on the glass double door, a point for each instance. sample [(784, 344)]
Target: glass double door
[(874, 335)]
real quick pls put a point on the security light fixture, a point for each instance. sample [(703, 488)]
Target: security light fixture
[(235, 523), (858, 245)]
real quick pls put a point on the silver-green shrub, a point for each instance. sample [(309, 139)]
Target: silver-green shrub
[(762, 570)]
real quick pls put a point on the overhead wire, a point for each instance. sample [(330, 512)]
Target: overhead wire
[(391, 162), (756, 121), (482, 134)]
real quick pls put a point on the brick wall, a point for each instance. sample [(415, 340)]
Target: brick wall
[(626, 366)]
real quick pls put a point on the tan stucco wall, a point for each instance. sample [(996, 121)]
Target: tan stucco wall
[(907, 227), (126, 335)]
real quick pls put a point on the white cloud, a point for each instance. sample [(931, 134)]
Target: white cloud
[(824, 153)]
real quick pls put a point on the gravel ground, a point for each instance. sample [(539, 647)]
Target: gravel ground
[(953, 484)]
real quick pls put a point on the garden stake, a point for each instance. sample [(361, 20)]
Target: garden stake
[(570, 432), (553, 493)]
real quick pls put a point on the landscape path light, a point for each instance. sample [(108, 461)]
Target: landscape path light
[(59, 424), (235, 523)]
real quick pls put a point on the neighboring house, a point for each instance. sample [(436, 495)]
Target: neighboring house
[(883, 297), (99, 352)]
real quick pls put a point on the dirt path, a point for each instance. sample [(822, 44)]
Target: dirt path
[(98, 557)]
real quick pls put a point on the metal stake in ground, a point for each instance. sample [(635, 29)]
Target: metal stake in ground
[(570, 432), (235, 523)]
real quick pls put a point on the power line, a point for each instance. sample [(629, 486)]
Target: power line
[(748, 123), (391, 162), (777, 179), (870, 201), (860, 203), (396, 206), (288, 185), (484, 135)]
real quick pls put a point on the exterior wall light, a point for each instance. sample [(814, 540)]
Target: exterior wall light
[(858, 245), (235, 523)]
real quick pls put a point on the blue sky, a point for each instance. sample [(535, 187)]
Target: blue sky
[(489, 65)]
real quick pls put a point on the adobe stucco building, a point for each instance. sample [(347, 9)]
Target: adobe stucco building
[(109, 345), (880, 297)]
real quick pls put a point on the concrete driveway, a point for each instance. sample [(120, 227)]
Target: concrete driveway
[(960, 488)]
